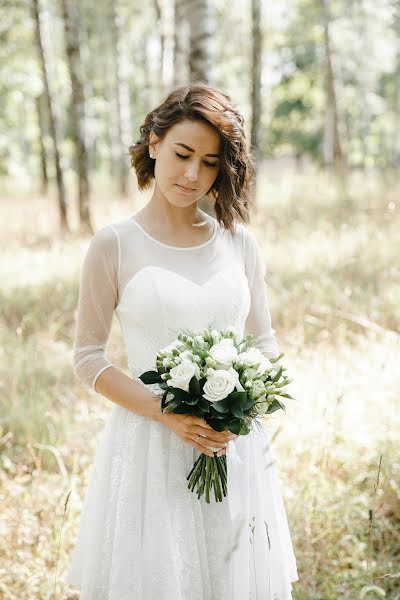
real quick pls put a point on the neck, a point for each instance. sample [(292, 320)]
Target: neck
[(163, 212)]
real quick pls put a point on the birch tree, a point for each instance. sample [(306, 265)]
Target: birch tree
[(256, 67), (199, 17), (53, 126), (72, 36)]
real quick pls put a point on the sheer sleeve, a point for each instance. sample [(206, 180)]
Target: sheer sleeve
[(98, 295), (258, 321)]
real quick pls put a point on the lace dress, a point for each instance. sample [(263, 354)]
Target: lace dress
[(143, 534)]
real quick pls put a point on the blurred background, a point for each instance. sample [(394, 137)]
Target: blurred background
[(318, 82)]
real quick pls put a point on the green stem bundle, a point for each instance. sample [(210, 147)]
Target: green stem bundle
[(209, 473)]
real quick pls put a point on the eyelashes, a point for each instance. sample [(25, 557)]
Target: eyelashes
[(211, 165)]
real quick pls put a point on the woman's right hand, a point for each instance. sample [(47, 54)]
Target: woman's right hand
[(198, 433)]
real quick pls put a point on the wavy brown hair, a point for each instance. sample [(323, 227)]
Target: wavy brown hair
[(231, 189)]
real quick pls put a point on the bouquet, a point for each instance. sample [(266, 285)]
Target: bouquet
[(221, 378)]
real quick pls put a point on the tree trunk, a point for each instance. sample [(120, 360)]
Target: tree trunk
[(332, 147), (52, 119), (120, 99), (72, 35), (160, 28), (200, 41), (44, 180), (181, 43), (256, 85)]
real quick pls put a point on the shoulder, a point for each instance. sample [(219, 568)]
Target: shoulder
[(245, 239), (103, 247)]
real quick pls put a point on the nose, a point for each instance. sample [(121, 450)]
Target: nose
[(192, 170)]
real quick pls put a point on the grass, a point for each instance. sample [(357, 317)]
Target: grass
[(333, 286)]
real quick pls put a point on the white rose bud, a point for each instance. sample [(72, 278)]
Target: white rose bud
[(210, 362), (257, 390), (186, 354), (250, 374), (262, 407), (232, 329)]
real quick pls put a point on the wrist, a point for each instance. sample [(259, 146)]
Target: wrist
[(157, 413)]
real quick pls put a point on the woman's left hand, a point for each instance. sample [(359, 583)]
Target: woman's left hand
[(221, 452)]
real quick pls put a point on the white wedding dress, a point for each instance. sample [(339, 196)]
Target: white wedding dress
[(143, 534)]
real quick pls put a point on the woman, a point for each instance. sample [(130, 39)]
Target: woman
[(143, 534)]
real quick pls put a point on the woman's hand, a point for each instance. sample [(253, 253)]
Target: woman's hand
[(198, 433)]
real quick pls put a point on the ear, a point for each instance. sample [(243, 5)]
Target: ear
[(153, 139)]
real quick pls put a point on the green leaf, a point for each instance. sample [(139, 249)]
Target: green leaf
[(276, 405), (215, 414), (247, 404), (163, 400), (234, 426), (237, 412), (276, 358), (202, 382), (222, 406), (217, 425), (192, 400), (203, 404), (184, 409), (244, 429), (277, 376), (238, 396), (180, 394), (150, 377), (194, 386)]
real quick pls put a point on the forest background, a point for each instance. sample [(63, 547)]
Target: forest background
[(318, 82)]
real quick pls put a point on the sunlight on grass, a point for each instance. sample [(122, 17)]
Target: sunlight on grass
[(331, 252)]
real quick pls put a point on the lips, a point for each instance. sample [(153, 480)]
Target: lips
[(185, 188)]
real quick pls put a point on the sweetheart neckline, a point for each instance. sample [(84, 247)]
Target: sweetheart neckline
[(148, 267)]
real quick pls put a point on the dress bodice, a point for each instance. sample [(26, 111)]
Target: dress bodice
[(156, 290)]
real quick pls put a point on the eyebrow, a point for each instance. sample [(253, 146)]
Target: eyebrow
[(191, 149)]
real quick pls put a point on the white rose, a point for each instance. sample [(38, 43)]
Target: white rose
[(224, 353), (254, 357), (235, 376), (182, 374), (218, 386)]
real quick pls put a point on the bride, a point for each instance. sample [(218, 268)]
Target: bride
[(143, 535)]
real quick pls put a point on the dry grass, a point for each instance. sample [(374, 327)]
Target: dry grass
[(333, 284)]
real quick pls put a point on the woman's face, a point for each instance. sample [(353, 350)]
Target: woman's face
[(187, 157)]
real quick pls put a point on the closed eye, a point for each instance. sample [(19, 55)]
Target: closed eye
[(184, 157)]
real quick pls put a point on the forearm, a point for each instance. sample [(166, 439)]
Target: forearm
[(125, 391)]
